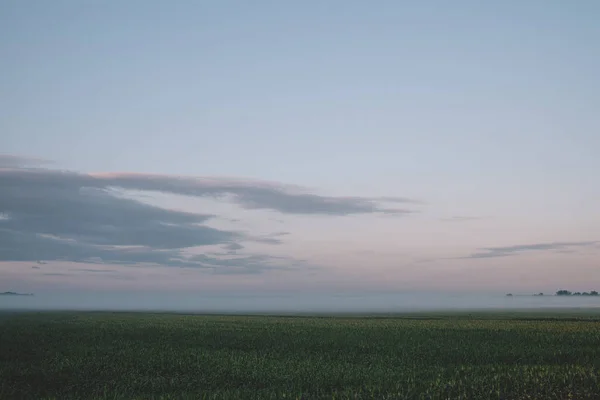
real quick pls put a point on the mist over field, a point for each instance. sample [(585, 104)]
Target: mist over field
[(290, 303)]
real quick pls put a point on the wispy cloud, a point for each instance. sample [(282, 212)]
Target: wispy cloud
[(13, 161), (234, 247), (491, 252), (250, 264), (286, 199), (94, 270)]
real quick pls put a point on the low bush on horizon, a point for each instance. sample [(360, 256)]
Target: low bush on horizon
[(153, 356)]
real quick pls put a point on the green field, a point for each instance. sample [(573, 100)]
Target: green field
[(169, 356)]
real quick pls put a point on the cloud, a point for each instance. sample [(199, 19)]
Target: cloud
[(268, 240), (94, 271), (234, 246), (286, 199), (273, 238), (19, 247), (54, 215), (97, 216), (491, 252), (12, 161), (251, 264), (49, 214), (280, 233)]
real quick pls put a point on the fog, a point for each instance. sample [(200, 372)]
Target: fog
[(288, 303)]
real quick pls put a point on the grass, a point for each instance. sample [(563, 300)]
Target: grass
[(169, 356)]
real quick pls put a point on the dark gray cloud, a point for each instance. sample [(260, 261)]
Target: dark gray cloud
[(491, 252), (286, 199), (97, 216), (25, 247), (60, 215)]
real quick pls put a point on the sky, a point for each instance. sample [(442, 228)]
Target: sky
[(270, 146)]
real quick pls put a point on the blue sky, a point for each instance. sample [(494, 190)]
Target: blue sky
[(481, 116)]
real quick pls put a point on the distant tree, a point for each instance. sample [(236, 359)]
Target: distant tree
[(540, 294), (509, 295), (567, 293)]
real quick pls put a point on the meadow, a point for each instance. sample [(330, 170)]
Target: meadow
[(98, 355)]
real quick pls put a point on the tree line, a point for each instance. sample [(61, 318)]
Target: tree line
[(567, 293)]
